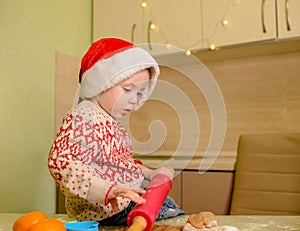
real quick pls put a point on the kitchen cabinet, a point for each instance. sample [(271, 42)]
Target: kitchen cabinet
[(234, 22), (230, 22), (196, 24), (118, 18), (210, 191), (288, 18), (175, 192), (176, 23)]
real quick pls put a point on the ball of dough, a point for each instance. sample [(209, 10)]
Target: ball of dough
[(203, 219)]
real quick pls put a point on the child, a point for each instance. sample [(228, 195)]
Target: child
[(91, 159)]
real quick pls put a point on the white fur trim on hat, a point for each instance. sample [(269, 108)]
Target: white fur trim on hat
[(106, 73)]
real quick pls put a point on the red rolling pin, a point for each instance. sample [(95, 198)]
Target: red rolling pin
[(142, 217)]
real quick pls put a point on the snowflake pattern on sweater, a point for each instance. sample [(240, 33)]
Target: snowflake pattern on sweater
[(91, 153)]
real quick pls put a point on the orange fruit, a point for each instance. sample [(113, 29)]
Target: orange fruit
[(25, 222), (48, 225)]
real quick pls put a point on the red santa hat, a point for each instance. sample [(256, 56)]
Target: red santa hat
[(110, 61)]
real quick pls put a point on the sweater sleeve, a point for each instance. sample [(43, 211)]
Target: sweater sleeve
[(138, 162), (69, 160)]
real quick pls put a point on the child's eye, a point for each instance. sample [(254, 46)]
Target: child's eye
[(141, 92), (127, 89)]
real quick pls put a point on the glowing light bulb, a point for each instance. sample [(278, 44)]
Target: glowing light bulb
[(212, 47), (225, 22), (144, 4), (152, 26), (188, 52)]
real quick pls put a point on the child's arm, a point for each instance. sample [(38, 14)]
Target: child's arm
[(150, 173)]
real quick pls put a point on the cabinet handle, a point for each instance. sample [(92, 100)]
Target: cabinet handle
[(288, 27), (263, 16), (149, 35), (133, 32)]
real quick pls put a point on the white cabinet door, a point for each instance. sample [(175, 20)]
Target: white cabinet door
[(247, 21), (178, 22), (118, 18), (288, 18)]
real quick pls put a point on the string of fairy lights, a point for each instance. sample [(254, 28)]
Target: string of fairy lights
[(223, 22)]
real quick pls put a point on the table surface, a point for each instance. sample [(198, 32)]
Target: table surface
[(243, 223), (224, 161)]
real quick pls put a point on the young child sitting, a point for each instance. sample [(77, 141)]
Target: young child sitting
[(91, 159)]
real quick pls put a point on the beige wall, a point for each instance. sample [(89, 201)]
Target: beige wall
[(261, 95), (31, 33)]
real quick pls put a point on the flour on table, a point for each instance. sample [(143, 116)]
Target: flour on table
[(189, 227)]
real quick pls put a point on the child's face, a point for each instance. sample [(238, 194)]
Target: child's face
[(121, 99)]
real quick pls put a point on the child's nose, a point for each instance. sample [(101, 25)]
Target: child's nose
[(133, 99)]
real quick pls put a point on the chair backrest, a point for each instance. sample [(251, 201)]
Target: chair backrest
[(267, 176)]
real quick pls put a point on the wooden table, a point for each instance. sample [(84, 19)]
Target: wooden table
[(243, 223), (250, 223)]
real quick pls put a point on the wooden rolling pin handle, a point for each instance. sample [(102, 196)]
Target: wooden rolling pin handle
[(139, 223)]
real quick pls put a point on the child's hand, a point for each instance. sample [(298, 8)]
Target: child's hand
[(133, 194), (168, 171)]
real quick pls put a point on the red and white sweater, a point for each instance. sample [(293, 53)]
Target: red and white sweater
[(91, 153)]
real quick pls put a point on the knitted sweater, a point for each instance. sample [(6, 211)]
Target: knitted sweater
[(91, 153)]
